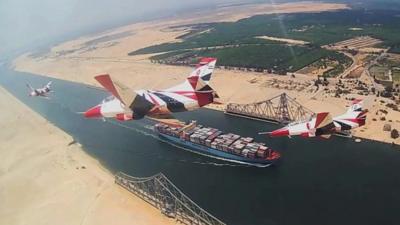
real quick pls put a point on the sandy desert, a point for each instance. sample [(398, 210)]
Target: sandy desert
[(76, 61), (44, 179)]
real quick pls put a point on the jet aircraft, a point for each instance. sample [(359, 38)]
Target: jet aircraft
[(323, 125), (40, 92), (126, 104)]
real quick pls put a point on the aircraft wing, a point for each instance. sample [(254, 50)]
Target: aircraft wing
[(161, 117), (322, 120), (171, 121), (45, 97), (96, 88), (290, 130), (138, 104), (119, 90), (324, 125)]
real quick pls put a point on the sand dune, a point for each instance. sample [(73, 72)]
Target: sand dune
[(42, 180)]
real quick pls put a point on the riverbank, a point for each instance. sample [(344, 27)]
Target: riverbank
[(81, 59), (46, 179), (360, 133)]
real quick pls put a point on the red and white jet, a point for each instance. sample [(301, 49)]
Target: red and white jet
[(40, 92), (126, 104), (324, 125)]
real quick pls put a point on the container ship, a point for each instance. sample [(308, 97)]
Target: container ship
[(214, 143)]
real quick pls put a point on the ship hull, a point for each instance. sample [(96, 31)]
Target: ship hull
[(215, 153)]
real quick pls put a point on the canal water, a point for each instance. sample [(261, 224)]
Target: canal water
[(329, 182)]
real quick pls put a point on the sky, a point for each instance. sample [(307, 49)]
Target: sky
[(34, 23)]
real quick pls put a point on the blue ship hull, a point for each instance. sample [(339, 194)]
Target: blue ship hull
[(215, 153)]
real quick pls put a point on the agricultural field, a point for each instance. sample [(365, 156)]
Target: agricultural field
[(316, 28), (356, 43), (396, 75), (238, 43), (278, 57), (380, 72), (391, 60), (331, 66), (343, 62)]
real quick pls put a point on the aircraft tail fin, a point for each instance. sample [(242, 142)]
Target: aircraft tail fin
[(119, 90), (48, 85), (323, 119), (30, 87), (207, 66), (354, 117), (362, 117), (358, 118), (201, 76), (356, 106), (199, 80), (324, 125)]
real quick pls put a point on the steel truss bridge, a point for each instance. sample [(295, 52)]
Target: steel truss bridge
[(279, 109), (164, 195)]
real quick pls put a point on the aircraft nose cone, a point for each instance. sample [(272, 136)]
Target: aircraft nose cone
[(279, 133), (93, 112)]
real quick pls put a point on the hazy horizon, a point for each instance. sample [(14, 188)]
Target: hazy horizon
[(35, 24), (26, 22)]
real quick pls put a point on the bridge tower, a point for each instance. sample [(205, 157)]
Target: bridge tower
[(164, 195), (279, 109)]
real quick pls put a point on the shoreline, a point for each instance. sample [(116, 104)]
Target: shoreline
[(68, 184), (76, 61), (354, 136)]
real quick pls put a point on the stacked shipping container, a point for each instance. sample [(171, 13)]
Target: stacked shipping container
[(213, 138)]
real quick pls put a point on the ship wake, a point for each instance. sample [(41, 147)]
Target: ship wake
[(152, 135)]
